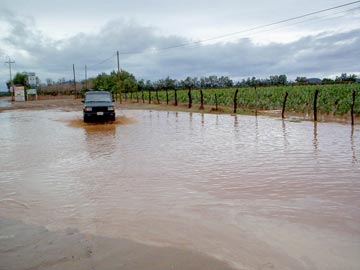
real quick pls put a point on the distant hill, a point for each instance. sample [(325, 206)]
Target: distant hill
[(314, 80)]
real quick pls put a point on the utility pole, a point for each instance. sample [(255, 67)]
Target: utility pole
[(86, 78), (74, 81), (11, 82), (118, 74)]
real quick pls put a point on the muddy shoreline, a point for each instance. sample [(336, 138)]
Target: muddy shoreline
[(26, 246), (69, 103)]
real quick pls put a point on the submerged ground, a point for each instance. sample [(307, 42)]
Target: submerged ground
[(175, 190)]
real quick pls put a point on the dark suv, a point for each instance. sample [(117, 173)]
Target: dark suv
[(98, 105)]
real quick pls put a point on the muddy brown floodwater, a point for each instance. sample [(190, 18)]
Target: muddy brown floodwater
[(170, 190)]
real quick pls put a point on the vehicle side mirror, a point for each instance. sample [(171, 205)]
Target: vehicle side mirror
[(83, 101), (113, 100)]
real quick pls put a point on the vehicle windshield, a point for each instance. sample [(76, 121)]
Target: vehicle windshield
[(98, 98)]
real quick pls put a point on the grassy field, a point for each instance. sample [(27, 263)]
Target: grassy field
[(332, 99)]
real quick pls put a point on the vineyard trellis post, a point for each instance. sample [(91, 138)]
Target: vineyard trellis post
[(352, 107), (315, 104), (284, 105), (175, 96), (201, 100), (157, 95), (190, 98), (256, 101), (235, 99), (216, 102)]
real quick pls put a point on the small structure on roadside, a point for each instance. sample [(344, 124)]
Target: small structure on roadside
[(31, 94), (19, 93)]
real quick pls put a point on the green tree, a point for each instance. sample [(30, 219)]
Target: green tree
[(141, 85), (327, 81), (169, 83), (346, 78), (301, 79), (20, 79), (105, 82), (129, 85)]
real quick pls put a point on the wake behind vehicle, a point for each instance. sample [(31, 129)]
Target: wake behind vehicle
[(98, 105)]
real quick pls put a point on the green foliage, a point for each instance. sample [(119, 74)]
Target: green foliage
[(20, 79), (332, 99), (109, 82), (344, 77), (129, 85), (260, 94), (105, 82)]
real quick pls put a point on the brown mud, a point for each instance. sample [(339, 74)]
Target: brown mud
[(101, 125)]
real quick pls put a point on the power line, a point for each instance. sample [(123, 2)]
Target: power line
[(259, 32), (11, 81), (326, 17), (242, 31), (103, 61), (200, 42)]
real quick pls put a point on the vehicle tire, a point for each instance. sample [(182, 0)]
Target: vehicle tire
[(112, 118), (86, 119)]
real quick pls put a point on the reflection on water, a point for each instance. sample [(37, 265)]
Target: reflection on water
[(231, 186), (5, 102), (354, 159), (315, 140), (100, 139), (286, 142)]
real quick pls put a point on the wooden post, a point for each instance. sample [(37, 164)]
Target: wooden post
[(216, 102), (137, 97), (149, 96), (256, 101), (284, 105), (176, 100), (190, 99), (75, 81), (201, 100), (11, 81), (86, 83), (315, 104), (142, 95), (157, 95), (235, 100), (118, 75), (167, 96), (352, 107)]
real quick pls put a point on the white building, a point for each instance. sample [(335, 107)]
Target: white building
[(31, 78)]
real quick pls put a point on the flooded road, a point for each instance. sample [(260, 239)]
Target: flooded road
[(255, 192)]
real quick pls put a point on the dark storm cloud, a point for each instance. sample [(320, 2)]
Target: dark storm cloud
[(319, 55)]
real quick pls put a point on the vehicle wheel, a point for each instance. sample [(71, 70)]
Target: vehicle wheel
[(112, 118), (86, 119)]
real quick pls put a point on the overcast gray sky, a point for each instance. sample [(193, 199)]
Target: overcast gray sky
[(47, 37)]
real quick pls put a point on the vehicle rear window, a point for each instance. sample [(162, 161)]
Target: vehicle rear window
[(98, 98)]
